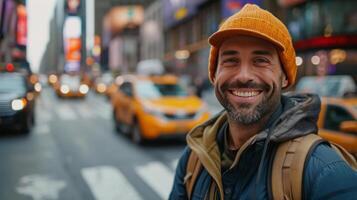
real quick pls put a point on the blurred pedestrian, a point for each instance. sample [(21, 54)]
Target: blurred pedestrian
[(238, 153)]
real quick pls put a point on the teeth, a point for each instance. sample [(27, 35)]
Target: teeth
[(245, 94)]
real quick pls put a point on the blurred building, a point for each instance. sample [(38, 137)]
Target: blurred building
[(117, 23), (152, 32), (53, 58), (187, 26), (325, 35), (66, 50), (13, 33)]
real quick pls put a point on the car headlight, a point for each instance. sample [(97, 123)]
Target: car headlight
[(52, 78), (18, 104), (101, 87), (64, 89), (38, 87), (83, 89)]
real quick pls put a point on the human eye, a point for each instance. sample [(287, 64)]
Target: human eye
[(230, 61), (261, 61)]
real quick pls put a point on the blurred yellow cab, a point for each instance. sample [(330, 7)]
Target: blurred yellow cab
[(71, 86), (152, 107), (338, 122), (338, 117)]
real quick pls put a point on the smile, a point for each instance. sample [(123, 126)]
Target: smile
[(245, 93)]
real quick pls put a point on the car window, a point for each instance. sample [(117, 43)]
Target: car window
[(150, 90), (71, 80), (334, 86), (334, 116), (12, 84), (126, 88)]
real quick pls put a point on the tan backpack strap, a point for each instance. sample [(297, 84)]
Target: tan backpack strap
[(288, 167), (193, 167), (345, 155)]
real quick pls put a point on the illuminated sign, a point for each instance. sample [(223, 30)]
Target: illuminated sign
[(72, 32), (287, 3), (73, 49), (326, 42), (72, 6), (229, 7), (121, 17), (21, 28), (72, 27), (177, 10)]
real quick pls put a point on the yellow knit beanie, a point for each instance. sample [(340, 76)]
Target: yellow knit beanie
[(254, 21)]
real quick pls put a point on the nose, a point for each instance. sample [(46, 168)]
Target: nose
[(245, 73)]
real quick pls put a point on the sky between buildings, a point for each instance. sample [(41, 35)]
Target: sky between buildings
[(39, 13)]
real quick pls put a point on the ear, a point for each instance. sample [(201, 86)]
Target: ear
[(284, 81)]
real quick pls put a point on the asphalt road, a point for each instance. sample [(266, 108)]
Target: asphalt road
[(74, 152)]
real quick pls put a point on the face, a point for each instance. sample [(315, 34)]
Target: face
[(248, 79)]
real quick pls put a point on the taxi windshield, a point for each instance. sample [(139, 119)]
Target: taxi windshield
[(150, 90), (12, 84), (71, 80), (329, 86)]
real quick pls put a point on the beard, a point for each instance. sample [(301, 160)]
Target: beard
[(246, 113)]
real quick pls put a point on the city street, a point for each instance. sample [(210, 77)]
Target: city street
[(74, 152)]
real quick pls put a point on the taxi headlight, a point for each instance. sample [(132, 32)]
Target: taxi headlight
[(52, 78), (64, 89), (83, 89), (38, 87), (101, 87), (18, 104)]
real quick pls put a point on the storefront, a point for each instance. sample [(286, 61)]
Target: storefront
[(325, 36)]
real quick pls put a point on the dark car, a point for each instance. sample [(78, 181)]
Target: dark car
[(16, 102)]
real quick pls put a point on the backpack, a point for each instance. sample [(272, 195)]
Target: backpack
[(287, 168)]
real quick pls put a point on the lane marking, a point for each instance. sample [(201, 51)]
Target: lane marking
[(159, 177), (107, 182), (65, 112), (40, 187)]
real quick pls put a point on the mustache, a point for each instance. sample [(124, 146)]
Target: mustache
[(238, 84)]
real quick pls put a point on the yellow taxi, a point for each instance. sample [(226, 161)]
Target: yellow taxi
[(152, 107), (71, 86), (338, 122)]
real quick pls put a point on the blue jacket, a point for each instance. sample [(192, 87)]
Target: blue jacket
[(326, 175)]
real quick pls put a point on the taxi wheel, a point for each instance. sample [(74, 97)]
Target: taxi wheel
[(136, 135)]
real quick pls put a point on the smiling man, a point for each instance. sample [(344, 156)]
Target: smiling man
[(261, 133)]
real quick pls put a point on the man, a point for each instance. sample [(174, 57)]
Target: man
[(251, 60)]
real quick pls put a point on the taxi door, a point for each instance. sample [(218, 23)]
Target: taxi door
[(125, 111), (331, 117)]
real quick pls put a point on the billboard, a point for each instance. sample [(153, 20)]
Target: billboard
[(72, 6), (121, 17), (72, 32), (21, 27), (287, 3), (177, 10)]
